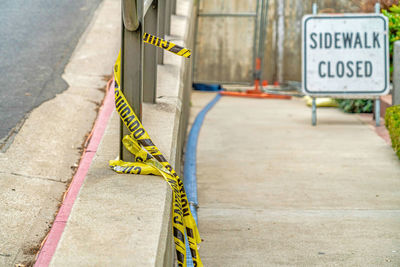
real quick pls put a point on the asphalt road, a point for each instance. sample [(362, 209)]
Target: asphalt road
[(37, 39)]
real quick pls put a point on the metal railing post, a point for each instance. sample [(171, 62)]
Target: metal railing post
[(314, 102), (161, 28), (173, 7), (132, 63), (255, 37), (150, 56), (396, 74), (167, 17), (263, 29)]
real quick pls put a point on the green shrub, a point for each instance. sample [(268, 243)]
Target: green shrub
[(392, 121), (356, 105), (393, 15)]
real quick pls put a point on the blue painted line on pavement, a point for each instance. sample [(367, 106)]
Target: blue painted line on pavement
[(189, 169)]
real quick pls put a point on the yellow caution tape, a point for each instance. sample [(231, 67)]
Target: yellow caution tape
[(171, 47), (321, 101), (149, 160)]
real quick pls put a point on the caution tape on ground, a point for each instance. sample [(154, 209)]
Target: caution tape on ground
[(171, 47), (149, 160)]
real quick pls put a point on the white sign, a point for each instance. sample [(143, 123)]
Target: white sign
[(345, 55)]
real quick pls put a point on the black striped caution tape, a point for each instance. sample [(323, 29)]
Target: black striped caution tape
[(149, 160), (171, 47)]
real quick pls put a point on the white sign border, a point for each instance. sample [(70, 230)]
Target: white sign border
[(357, 94)]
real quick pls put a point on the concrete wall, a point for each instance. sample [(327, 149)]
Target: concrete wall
[(186, 76), (224, 47)]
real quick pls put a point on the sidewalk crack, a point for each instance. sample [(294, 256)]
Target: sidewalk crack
[(32, 177)]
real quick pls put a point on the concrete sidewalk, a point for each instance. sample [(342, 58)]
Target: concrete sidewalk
[(273, 190), (36, 169)]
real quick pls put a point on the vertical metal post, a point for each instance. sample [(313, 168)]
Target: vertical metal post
[(280, 41), (167, 17), (132, 82), (263, 26), (377, 100), (314, 112), (121, 125), (161, 28), (314, 104), (256, 34), (261, 33), (264, 32), (377, 112), (377, 7), (173, 6), (315, 8), (150, 56), (396, 74)]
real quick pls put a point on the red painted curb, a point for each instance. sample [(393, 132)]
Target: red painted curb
[(50, 244)]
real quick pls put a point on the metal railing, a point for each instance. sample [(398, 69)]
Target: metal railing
[(139, 62)]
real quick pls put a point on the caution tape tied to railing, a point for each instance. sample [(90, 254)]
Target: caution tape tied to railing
[(169, 46), (149, 160)]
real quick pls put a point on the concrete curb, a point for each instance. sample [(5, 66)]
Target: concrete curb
[(50, 244)]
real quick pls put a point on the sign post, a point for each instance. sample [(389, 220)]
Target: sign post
[(345, 56)]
